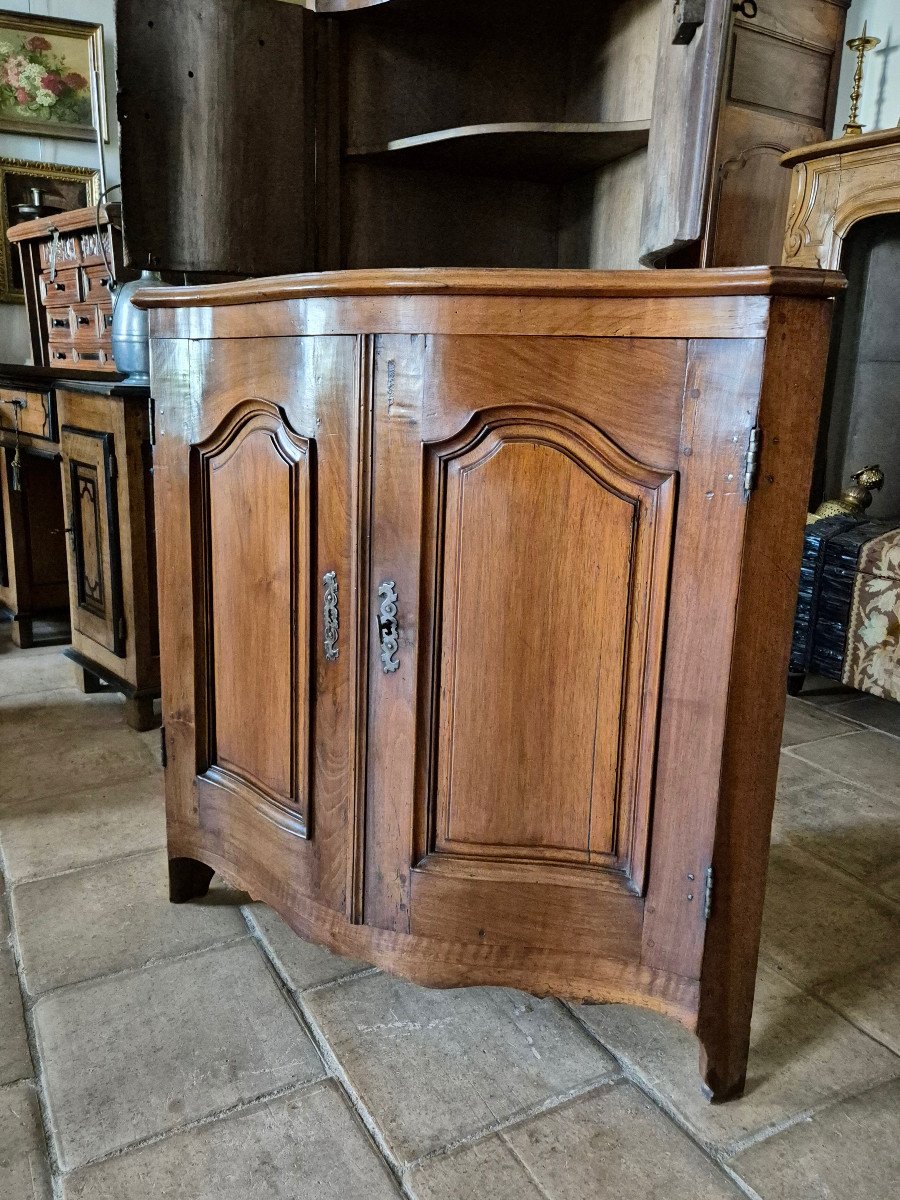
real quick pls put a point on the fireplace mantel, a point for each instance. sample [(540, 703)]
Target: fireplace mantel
[(835, 185)]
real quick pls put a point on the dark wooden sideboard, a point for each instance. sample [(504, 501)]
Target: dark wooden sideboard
[(476, 592), (77, 524)]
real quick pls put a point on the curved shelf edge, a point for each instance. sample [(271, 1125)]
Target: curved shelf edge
[(545, 149)]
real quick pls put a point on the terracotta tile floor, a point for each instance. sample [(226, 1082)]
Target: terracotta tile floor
[(204, 1051)]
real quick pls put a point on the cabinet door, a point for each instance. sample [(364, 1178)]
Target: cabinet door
[(254, 475), (95, 568), (520, 559), (682, 131)]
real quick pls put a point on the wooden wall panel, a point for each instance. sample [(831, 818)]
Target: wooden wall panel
[(201, 179)]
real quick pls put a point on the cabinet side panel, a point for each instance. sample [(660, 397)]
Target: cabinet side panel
[(172, 391), (721, 399), (789, 409)]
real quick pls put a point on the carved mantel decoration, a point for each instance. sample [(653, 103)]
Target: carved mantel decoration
[(835, 184)]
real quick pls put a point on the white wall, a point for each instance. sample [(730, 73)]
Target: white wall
[(880, 105), (14, 342)]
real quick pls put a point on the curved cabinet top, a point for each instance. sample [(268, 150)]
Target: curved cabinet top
[(548, 284)]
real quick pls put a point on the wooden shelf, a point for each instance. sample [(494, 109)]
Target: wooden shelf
[(521, 149)]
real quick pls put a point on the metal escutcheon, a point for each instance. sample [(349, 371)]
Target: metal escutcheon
[(388, 629), (332, 616)]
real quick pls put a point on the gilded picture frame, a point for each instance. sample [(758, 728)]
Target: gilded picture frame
[(63, 187), (45, 76)]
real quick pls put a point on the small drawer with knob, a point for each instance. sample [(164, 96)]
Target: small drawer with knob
[(96, 284), (62, 290), (33, 411)]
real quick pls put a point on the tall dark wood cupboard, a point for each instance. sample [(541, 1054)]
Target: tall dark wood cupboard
[(258, 137), (476, 591)]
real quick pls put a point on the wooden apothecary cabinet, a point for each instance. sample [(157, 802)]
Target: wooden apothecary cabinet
[(476, 592), (104, 441)]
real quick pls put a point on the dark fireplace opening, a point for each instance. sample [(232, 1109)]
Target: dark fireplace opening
[(861, 409)]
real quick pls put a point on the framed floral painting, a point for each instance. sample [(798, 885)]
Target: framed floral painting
[(45, 72), (60, 189)]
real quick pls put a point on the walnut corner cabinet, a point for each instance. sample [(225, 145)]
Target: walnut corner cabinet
[(476, 593)]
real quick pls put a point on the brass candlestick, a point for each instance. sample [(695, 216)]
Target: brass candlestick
[(861, 45)]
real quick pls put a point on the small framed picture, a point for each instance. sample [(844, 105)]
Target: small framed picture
[(29, 189), (45, 76)]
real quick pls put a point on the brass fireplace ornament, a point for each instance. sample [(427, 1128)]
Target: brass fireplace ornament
[(856, 497), (862, 45)]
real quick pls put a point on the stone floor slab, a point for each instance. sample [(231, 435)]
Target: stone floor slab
[(852, 827), (871, 1000), (307, 1146), (801, 1053), (871, 710), (96, 758), (805, 722), (869, 758), (111, 917), (819, 925), (31, 718), (302, 964), (849, 1151), (82, 828), (24, 1171), (433, 1066), (611, 1143), (142, 1053), (15, 1057), (41, 669)]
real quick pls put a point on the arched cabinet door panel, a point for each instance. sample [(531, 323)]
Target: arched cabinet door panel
[(253, 487), (259, 660), (552, 551), (528, 555)]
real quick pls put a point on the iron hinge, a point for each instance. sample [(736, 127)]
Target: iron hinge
[(707, 898), (162, 746), (151, 420), (122, 628), (112, 467), (751, 462)]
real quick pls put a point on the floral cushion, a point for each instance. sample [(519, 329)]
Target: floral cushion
[(872, 657)]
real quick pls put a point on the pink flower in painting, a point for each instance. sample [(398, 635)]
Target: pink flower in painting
[(22, 96), (52, 82), (37, 43), (12, 69), (75, 81)]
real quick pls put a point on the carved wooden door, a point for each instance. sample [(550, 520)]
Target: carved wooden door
[(686, 97), (255, 474), (92, 522), (520, 558)]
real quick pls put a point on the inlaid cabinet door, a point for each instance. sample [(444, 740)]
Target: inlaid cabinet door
[(95, 571), (522, 543), (257, 661)]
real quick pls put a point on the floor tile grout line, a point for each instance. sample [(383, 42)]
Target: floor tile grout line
[(89, 866), (856, 884), (219, 1114), (539, 1187), (123, 972), (257, 933), (838, 737), (828, 708), (400, 1170), (37, 1063), (724, 1154), (810, 991), (740, 1146), (130, 777), (504, 1124), (329, 1059)]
